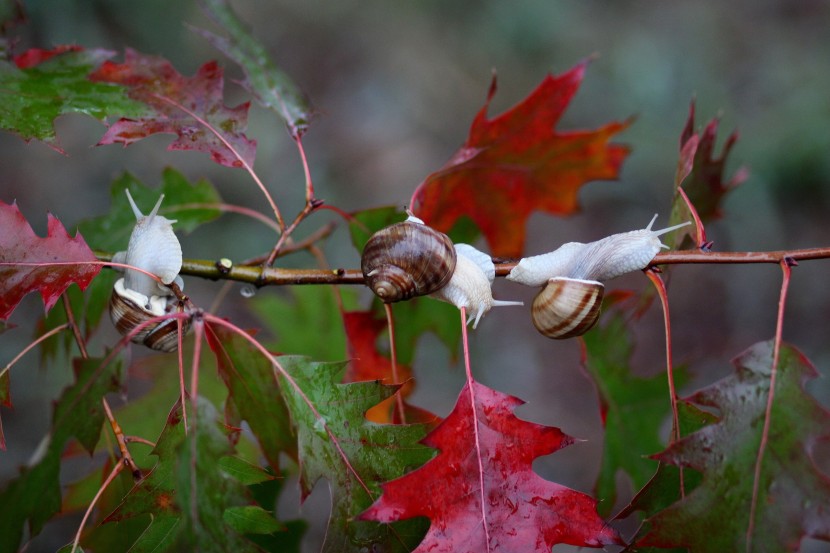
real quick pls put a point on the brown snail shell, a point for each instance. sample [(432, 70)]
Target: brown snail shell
[(127, 314), (407, 259), (567, 307)]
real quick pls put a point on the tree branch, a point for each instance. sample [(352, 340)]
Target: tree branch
[(272, 276)]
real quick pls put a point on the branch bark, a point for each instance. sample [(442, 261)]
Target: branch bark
[(272, 276)]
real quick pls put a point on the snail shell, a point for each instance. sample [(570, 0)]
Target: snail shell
[(471, 284), (407, 259), (127, 312), (137, 297), (567, 307)]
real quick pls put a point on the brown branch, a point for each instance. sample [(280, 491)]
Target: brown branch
[(272, 276)]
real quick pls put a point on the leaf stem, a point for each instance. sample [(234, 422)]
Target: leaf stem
[(113, 473), (390, 321), (776, 351)]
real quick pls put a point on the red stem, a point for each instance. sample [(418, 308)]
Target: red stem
[(776, 351), (394, 360)]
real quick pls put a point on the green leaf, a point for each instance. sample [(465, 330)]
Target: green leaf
[(793, 496), (35, 495), (31, 99), (307, 307), (270, 86), (244, 471), (250, 519), (112, 231), (633, 409), (187, 492), (361, 455), (254, 392), (367, 222)]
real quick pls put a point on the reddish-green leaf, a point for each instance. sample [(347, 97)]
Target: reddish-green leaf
[(793, 498), (35, 495), (47, 83), (517, 163), (254, 392), (700, 175), (51, 263), (481, 494), (271, 87), (190, 107), (355, 455)]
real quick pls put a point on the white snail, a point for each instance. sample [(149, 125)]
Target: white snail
[(471, 284), (137, 297), (572, 276)]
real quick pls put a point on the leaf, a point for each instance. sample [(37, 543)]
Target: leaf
[(793, 496), (45, 84), (484, 473), (189, 107), (304, 308), (251, 519), (633, 409), (701, 177), (35, 495), (270, 87), (254, 392), (363, 455), (19, 244), (186, 492), (517, 163)]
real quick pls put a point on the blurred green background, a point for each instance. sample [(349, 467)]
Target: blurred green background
[(396, 86)]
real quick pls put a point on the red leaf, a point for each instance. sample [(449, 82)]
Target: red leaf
[(487, 454), (517, 163), (36, 56), (19, 244), (189, 107)]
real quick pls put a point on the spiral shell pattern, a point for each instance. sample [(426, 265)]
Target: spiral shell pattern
[(126, 315), (567, 307), (407, 259)]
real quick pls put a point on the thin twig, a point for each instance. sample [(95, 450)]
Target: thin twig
[(113, 473)]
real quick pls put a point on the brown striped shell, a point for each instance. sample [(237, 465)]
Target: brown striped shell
[(407, 259), (567, 307), (126, 315)]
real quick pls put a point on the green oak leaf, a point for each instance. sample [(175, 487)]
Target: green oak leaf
[(359, 457)]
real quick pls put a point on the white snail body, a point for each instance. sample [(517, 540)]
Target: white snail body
[(572, 277), (471, 284), (137, 297)]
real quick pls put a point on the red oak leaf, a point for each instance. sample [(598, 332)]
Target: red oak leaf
[(36, 56), (29, 263), (481, 494), (367, 363), (517, 163), (189, 107)]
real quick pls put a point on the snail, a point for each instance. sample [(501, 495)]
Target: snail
[(411, 259), (407, 259), (569, 304), (137, 297), (471, 284)]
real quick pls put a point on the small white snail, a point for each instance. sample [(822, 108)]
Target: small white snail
[(572, 276), (137, 297), (471, 284)]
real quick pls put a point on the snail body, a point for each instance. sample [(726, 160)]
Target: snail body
[(471, 284), (569, 303), (407, 259), (137, 297)]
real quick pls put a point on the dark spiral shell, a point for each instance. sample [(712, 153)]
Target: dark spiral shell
[(567, 307), (161, 336), (407, 259)]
